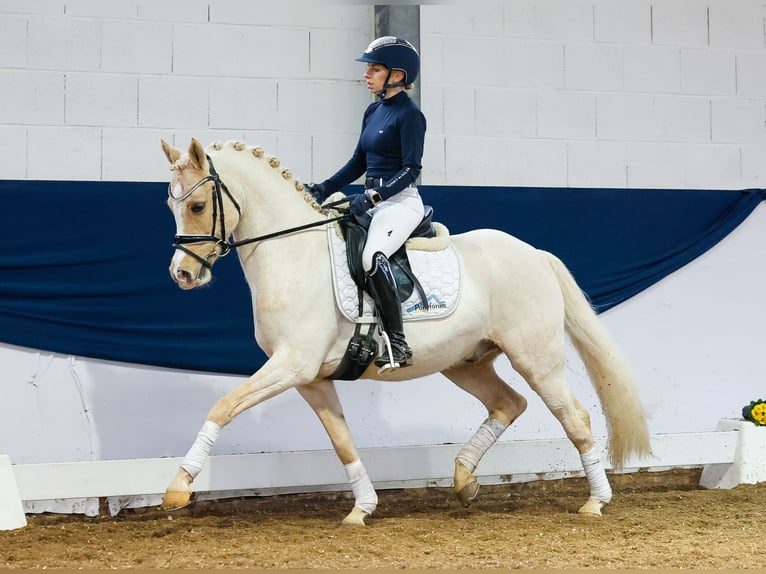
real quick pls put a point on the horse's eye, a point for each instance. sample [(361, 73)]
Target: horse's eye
[(198, 207)]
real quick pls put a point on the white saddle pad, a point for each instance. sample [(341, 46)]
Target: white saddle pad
[(437, 270)]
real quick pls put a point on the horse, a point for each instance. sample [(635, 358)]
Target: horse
[(515, 299)]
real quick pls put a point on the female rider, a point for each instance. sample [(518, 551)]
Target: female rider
[(389, 151)]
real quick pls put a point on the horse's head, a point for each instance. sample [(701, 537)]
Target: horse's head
[(205, 213)]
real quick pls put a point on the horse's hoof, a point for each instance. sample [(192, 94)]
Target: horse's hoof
[(176, 499), (468, 494), (592, 507), (466, 485), (355, 518)]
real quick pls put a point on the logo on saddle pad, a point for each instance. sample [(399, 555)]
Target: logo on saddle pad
[(437, 269), (433, 303)]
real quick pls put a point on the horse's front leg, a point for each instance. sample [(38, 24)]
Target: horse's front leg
[(277, 374), (321, 396)]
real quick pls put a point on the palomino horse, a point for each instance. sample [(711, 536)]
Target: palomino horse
[(515, 299)]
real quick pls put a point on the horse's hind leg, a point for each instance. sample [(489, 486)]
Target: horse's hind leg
[(547, 379), (321, 396), (504, 405)]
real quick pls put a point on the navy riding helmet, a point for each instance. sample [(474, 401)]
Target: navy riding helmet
[(395, 54)]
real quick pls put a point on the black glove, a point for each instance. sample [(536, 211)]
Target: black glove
[(360, 204), (317, 191)]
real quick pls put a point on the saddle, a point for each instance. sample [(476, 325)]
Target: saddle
[(355, 234), (362, 349)]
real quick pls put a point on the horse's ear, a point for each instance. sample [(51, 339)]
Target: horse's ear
[(170, 152), (197, 155)]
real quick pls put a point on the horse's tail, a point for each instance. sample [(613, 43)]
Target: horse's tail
[(608, 370)]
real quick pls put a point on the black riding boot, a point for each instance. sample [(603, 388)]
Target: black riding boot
[(382, 287)]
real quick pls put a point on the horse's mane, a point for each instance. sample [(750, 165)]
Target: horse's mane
[(257, 154)]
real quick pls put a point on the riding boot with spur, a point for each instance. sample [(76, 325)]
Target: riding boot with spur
[(382, 286)]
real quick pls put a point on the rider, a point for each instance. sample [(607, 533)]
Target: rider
[(389, 151)]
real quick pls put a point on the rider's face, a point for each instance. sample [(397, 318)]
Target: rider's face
[(375, 76)]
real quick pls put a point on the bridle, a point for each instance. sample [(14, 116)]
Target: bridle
[(180, 241)]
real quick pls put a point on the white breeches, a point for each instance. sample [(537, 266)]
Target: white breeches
[(392, 222)]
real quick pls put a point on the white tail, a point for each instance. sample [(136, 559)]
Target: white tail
[(608, 370)]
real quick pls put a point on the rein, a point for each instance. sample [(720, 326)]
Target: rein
[(180, 240)]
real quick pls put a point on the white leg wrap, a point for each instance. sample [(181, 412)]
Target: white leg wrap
[(487, 435), (596, 475), (199, 451), (365, 496)]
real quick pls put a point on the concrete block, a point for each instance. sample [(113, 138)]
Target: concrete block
[(446, 19), (534, 64), (13, 42), (556, 20), (293, 13), (566, 115), (13, 152), (737, 25), (137, 47), (344, 115), (460, 111), (174, 10), (333, 53), (506, 113), (250, 51), (680, 23), (751, 81), (652, 69), (431, 64), (240, 103), (596, 164), (708, 72), (101, 10), (33, 7), (329, 151), (31, 97), (434, 161), (594, 67), (11, 510), (519, 19), (476, 61), (738, 120), (133, 155), (626, 117), (623, 22), (682, 118), (536, 163), (169, 102), (432, 106), (487, 20), (82, 160), (294, 152), (64, 44), (476, 160), (101, 100), (701, 166), (749, 465), (753, 166)]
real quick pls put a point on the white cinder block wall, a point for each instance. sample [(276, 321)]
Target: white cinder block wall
[(635, 93), (596, 93)]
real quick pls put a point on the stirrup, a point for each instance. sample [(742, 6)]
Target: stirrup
[(385, 360)]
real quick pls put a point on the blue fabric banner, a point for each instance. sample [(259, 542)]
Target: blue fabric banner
[(84, 265)]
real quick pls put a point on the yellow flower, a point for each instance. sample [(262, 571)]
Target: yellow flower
[(758, 413)]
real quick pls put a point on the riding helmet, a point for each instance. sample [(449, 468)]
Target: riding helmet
[(395, 54)]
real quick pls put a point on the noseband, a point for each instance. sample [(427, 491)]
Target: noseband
[(180, 241)]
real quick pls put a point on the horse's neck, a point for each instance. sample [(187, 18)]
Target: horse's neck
[(277, 268)]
